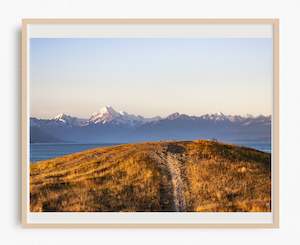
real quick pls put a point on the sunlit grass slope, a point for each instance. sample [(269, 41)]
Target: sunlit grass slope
[(161, 176)]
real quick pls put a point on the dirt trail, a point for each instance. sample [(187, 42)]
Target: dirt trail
[(173, 163), (178, 191)]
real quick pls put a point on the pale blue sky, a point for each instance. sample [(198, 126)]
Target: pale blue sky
[(150, 76)]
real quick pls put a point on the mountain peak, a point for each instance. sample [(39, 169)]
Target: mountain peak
[(105, 114), (173, 116), (107, 109), (219, 114), (64, 119), (61, 116)]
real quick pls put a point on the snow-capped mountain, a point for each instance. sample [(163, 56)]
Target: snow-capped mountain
[(67, 120), (61, 120), (109, 125), (108, 115), (176, 115), (105, 115), (219, 116)]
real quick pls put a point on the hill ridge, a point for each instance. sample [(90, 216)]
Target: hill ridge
[(154, 176)]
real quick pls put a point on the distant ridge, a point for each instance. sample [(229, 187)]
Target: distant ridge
[(108, 125), (108, 114)]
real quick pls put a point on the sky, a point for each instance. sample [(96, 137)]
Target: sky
[(150, 76)]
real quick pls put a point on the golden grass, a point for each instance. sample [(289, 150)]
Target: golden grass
[(215, 176)]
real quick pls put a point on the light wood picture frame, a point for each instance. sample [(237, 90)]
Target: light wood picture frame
[(146, 28)]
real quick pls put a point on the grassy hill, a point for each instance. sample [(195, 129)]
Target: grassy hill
[(161, 176)]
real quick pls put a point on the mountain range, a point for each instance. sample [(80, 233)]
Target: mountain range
[(111, 126)]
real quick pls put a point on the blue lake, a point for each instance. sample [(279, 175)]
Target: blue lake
[(44, 151), (261, 146)]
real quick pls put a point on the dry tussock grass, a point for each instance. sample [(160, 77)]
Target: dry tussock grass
[(216, 177)]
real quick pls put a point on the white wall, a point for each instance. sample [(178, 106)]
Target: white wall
[(11, 13)]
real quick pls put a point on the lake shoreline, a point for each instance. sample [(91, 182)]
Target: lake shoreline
[(46, 151)]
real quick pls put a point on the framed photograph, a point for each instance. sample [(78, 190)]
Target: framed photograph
[(150, 123)]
